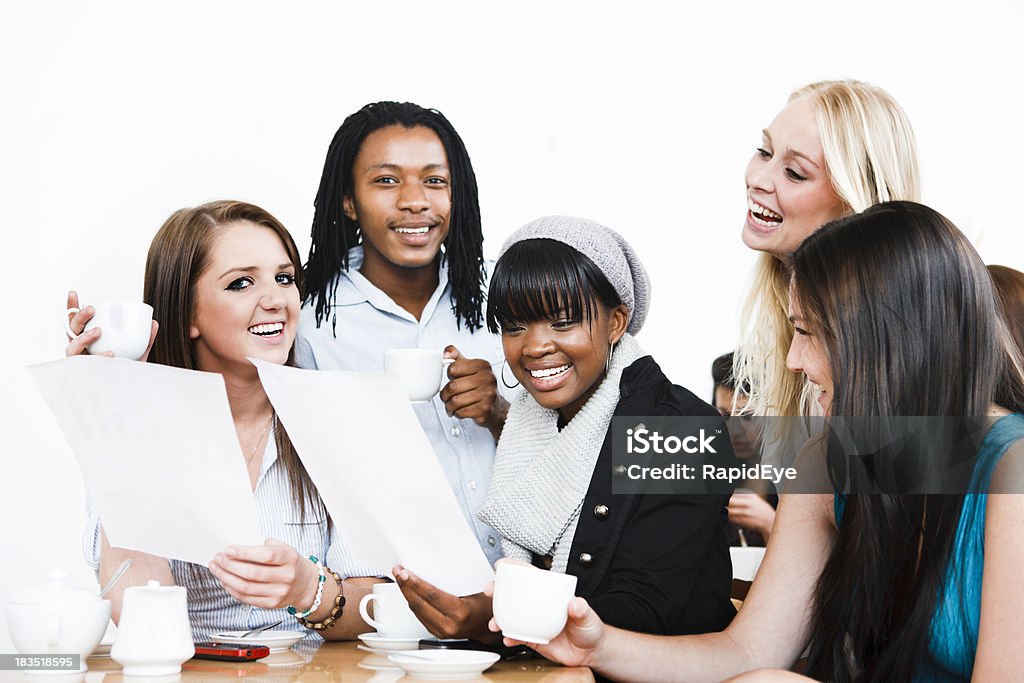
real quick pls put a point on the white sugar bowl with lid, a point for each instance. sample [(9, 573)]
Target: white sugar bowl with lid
[(153, 635), (57, 619)]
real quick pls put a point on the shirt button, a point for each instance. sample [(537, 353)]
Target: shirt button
[(472, 485), (456, 431), (601, 511), (586, 559), (491, 541)]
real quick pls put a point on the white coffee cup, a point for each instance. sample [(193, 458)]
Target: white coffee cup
[(125, 327), (391, 614), (422, 372), (531, 604), (746, 562)]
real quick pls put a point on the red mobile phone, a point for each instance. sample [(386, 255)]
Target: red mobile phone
[(231, 653)]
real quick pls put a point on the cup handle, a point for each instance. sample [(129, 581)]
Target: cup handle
[(52, 630), (366, 615), (67, 322), (445, 364)]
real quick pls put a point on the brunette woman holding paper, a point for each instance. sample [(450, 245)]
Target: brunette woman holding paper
[(224, 280)]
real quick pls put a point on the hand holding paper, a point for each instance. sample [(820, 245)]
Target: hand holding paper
[(377, 473)]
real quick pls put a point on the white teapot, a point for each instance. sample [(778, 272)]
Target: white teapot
[(57, 619), (153, 636)]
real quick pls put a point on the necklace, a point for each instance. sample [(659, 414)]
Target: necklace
[(248, 460)]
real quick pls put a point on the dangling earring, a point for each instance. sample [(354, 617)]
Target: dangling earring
[(502, 373), (608, 359)]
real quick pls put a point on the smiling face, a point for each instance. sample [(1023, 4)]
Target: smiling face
[(789, 194), (401, 199), (246, 301), (807, 355), (561, 361)]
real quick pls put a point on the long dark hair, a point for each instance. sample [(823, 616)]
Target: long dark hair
[(907, 316), (1009, 284), (538, 279), (334, 233), (178, 255)]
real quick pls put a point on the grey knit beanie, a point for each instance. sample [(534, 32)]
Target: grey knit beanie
[(606, 248)]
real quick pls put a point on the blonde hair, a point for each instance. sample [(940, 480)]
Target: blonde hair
[(871, 157)]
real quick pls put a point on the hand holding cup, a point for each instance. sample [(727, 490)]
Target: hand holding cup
[(580, 641), (472, 392), (119, 327)]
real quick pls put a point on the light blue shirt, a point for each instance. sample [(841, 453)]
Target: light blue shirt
[(210, 608), (362, 324)]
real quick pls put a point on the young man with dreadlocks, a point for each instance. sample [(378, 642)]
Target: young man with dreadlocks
[(397, 262)]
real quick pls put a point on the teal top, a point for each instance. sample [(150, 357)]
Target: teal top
[(954, 629)]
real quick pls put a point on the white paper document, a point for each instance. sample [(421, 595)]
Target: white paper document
[(377, 473), (158, 452)]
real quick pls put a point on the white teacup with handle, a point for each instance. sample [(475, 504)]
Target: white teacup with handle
[(391, 614), (125, 326), (422, 372)]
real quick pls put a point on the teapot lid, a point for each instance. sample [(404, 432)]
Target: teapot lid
[(56, 592)]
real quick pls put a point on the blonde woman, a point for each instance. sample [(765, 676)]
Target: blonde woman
[(837, 148)]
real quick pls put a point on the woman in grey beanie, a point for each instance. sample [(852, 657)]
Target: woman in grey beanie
[(567, 296)]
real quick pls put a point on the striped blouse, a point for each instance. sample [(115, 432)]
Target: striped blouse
[(211, 609)]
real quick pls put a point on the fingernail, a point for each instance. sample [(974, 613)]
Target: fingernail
[(231, 552)]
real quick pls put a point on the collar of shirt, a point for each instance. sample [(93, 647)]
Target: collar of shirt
[(353, 289)]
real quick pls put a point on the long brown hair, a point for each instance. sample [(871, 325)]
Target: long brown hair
[(178, 255), (908, 317)]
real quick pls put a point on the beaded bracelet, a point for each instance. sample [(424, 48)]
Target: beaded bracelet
[(336, 611), (319, 592)]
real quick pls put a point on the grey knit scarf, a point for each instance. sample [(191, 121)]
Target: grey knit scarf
[(541, 475)]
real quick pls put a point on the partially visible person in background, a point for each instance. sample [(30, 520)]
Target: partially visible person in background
[(1010, 288), (752, 507)]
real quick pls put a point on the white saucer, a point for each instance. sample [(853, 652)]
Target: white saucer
[(379, 643), (376, 660), (277, 641), (444, 665), (284, 659)]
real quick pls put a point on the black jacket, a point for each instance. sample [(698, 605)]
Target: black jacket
[(653, 563)]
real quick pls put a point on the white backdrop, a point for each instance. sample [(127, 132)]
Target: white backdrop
[(114, 114)]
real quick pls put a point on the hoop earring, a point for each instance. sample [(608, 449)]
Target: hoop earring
[(505, 381)]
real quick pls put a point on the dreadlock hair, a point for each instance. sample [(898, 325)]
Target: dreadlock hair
[(334, 233)]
